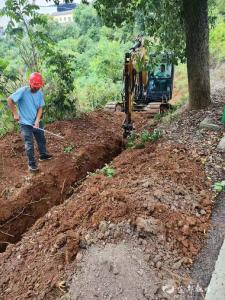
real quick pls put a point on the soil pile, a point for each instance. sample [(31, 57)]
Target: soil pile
[(159, 196)]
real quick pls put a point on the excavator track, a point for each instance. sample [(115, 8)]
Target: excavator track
[(155, 108), (112, 106)]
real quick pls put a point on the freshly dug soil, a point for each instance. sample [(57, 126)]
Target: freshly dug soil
[(89, 142), (25, 197), (159, 192)]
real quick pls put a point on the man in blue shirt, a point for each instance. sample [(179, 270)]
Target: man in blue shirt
[(27, 108)]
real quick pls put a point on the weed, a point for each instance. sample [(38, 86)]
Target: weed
[(157, 134), (170, 117), (219, 186), (131, 141), (171, 114), (152, 137), (139, 141), (158, 117), (69, 148), (145, 137), (108, 171)]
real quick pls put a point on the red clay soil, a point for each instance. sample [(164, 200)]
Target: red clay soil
[(161, 181), (92, 140), (24, 197)]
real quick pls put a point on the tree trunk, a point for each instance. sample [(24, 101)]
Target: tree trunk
[(197, 51)]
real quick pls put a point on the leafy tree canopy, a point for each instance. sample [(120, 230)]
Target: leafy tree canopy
[(162, 21)]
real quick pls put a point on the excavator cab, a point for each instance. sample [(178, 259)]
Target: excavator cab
[(160, 81)]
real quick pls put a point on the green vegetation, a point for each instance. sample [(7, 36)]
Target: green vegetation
[(82, 62), (219, 186), (107, 171), (180, 94), (170, 117), (6, 120), (217, 45), (138, 141), (69, 148), (131, 141), (146, 136), (217, 35)]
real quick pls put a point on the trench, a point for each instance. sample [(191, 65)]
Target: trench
[(51, 189)]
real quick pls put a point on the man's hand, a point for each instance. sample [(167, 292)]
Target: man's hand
[(12, 106), (16, 117), (38, 117), (36, 124)]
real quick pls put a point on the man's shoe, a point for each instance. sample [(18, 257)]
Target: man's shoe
[(45, 157), (33, 168)]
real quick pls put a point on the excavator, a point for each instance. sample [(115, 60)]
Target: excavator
[(147, 87)]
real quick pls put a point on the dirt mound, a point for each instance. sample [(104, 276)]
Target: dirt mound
[(171, 220)]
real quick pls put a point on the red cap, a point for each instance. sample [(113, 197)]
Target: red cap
[(36, 80)]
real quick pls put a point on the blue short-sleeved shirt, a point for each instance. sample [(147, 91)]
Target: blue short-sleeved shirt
[(28, 104)]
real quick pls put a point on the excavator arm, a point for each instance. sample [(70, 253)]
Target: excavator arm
[(140, 90), (129, 89)]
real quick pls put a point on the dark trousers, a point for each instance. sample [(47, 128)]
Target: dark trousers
[(27, 132)]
